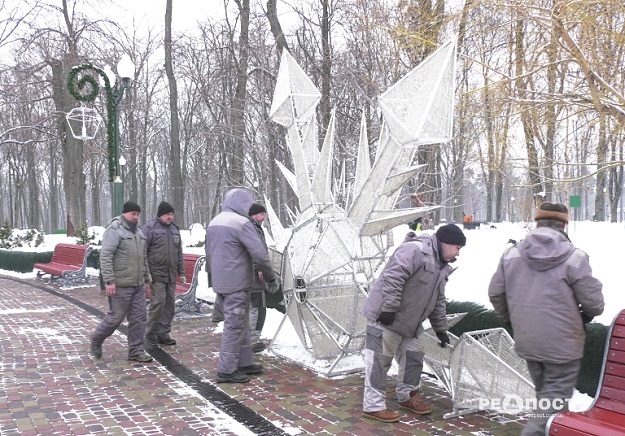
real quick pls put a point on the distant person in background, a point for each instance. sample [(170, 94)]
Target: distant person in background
[(544, 288), (234, 252), (166, 263), (416, 225), (409, 290), (125, 271), (258, 310)]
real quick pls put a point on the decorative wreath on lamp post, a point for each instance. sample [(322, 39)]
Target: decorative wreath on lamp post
[(83, 85)]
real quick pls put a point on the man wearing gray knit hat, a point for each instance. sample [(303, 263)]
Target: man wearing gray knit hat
[(545, 291), (164, 252)]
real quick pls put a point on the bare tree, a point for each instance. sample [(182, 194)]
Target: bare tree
[(177, 177)]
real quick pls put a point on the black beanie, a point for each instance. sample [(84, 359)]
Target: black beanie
[(131, 206), (451, 234), (256, 208), (164, 208)]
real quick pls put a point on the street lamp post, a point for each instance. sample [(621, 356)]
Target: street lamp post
[(83, 86), (125, 70)]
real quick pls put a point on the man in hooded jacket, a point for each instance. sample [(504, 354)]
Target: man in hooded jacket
[(234, 249), (544, 288), (410, 288)]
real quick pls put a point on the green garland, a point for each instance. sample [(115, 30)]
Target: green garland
[(85, 88)]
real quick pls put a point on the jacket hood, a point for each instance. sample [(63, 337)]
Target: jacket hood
[(545, 248), (238, 200), (120, 222), (428, 240)]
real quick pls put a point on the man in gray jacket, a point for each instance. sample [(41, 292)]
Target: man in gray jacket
[(545, 289), (125, 272), (410, 289), (164, 252), (234, 248)]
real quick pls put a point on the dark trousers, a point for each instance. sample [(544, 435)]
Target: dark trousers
[(258, 314), (125, 302), (161, 313)]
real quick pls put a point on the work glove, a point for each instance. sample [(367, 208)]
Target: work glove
[(443, 337), (386, 318), (273, 286)]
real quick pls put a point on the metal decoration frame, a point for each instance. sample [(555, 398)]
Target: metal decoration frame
[(329, 257)]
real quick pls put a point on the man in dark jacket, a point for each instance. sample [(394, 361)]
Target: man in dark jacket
[(164, 252), (410, 289), (258, 308), (125, 272), (544, 288), (234, 249)]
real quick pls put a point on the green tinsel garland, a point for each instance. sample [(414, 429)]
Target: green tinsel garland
[(88, 84)]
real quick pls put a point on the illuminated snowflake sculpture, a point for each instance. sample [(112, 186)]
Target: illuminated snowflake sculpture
[(329, 256)]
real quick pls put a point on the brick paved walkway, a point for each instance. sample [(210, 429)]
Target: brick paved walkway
[(51, 386)]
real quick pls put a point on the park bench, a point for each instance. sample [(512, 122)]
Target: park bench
[(606, 415), (68, 266), (185, 294)]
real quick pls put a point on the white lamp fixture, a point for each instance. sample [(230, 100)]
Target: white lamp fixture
[(125, 68)]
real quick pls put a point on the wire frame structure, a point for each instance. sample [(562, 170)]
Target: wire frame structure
[(341, 233), (481, 371), (84, 122)]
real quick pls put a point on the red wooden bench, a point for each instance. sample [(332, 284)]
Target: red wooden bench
[(68, 266), (185, 294), (606, 416)]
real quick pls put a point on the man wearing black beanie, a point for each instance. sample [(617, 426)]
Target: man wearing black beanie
[(125, 271), (258, 306), (409, 290), (165, 259)]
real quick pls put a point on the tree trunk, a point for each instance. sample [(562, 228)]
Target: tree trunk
[(526, 121), (600, 186), (237, 163), (176, 171), (74, 183), (326, 70), (276, 28)]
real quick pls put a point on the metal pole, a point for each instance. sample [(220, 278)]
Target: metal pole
[(118, 191)]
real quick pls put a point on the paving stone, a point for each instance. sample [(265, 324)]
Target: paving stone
[(50, 385)]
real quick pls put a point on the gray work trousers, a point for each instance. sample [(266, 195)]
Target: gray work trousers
[(552, 381), (125, 302), (258, 314), (235, 350), (381, 345), (161, 313)]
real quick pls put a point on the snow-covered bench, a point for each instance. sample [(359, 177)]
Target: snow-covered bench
[(68, 266)]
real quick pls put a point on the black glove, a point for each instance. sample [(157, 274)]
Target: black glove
[(273, 286), (386, 318), (443, 337)]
